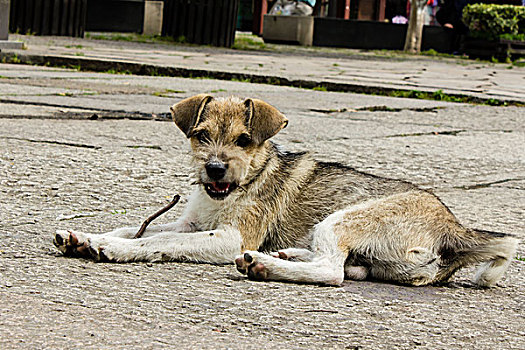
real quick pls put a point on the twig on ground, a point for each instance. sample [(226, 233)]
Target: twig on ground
[(174, 201)]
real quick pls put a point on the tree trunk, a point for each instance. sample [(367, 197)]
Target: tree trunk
[(415, 26)]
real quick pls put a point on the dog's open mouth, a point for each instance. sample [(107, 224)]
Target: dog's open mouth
[(219, 190)]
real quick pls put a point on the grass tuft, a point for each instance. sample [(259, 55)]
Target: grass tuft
[(139, 38), (248, 43)]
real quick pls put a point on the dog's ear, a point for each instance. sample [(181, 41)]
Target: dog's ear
[(263, 120), (188, 112)]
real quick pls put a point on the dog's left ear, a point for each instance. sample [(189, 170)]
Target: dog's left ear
[(188, 112), (263, 120)]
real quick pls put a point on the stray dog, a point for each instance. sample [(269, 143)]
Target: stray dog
[(285, 216)]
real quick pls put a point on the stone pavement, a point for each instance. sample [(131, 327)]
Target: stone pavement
[(340, 69), (93, 151)]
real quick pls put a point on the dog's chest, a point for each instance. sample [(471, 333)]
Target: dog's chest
[(210, 214)]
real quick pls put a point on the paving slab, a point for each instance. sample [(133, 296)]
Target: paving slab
[(62, 167), (341, 69)]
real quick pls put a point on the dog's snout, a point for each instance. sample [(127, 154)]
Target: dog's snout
[(216, 170)]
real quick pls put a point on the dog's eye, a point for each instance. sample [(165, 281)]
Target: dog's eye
[(202, 137), (243, 141)]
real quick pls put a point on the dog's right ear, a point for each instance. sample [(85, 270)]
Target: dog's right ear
[(188, 112)]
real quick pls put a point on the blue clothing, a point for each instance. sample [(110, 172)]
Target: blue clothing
[(312, 2)]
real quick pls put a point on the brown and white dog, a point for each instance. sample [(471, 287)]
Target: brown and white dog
[(285, 216)]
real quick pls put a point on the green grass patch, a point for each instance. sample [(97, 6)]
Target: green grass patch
[(74, 46), (15, 59), (167, 93), (512, 37), (117, 71), (248, 43), (119, 212), (439, 95), (239, 80), (75, 67), (423, 95), (139, 38), (434, 53)]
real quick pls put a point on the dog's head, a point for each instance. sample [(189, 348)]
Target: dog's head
[(226, 135)]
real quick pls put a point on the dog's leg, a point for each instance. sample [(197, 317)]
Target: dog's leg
[(73, 243), (186, 223), (181, 225), (322, 270), (217, 246), (325, 265)]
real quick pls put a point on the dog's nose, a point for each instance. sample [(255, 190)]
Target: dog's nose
[(216, 170)]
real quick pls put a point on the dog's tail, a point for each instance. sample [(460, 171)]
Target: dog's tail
[(494, 250)]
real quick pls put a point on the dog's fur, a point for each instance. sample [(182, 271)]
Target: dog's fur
[(285, 216)]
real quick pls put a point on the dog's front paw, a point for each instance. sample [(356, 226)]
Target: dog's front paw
[(247, 264), (71, 243), (79, 245)]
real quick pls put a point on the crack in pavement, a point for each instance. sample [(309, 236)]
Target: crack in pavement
[(381, 108), (148, 116), (390, 109), (146, 146), (61, 143), (73, 144), (487, 184), (432, 133)]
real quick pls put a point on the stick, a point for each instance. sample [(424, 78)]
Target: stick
[(174, 201)]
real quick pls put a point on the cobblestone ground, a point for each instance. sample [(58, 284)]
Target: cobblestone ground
[(59, 169)]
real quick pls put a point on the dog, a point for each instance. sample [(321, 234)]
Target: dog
[(284, 216)]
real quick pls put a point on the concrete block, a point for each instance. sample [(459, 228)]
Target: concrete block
[(4, 29), (289, 29), (12, 45), (153, 17), (4, 19)]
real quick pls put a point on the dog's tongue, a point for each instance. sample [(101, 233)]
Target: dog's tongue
[(220, 186)]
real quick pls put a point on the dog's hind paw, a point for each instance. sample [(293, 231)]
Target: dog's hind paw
[(247, 264), (76, 244)]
